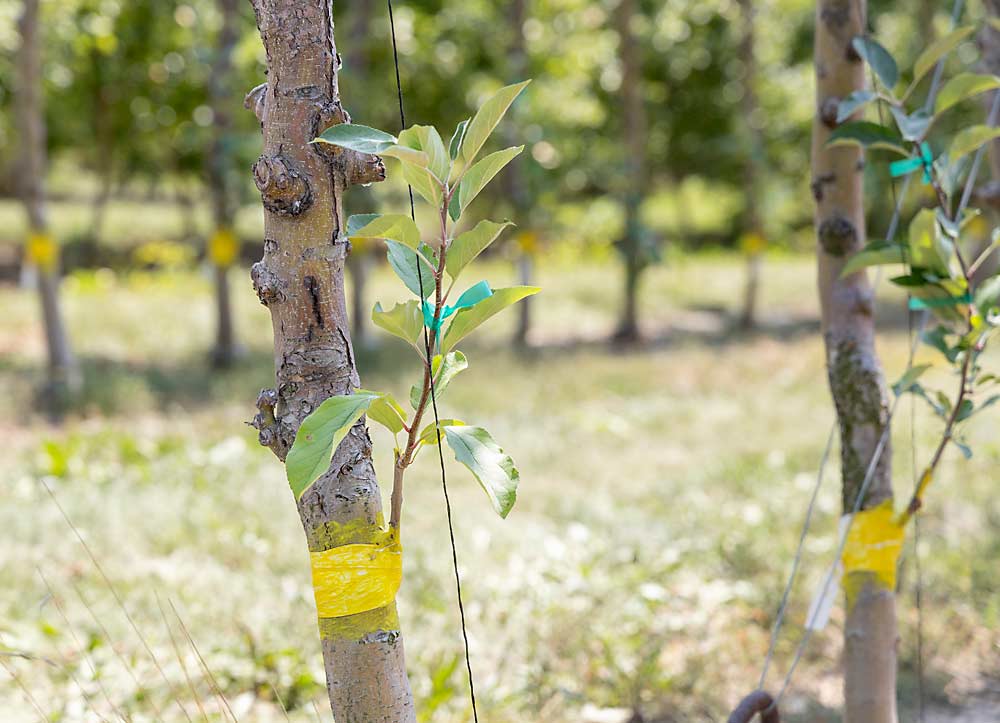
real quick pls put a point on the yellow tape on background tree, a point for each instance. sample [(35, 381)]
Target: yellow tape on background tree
[(41, 250), (353, 579), (223, 247), (873, 545), (752, 243)]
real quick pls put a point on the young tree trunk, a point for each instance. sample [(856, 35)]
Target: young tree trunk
[(855, 373), (361, 257), (222, 191), (517, 182), (752, 230), (634, 142), (63, 373), (301, 281)]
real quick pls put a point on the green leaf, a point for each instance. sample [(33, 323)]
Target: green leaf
[(962, 86), (937, 50), (387, 411), (467, 320), (969, 139), (852, 103), (880, 60), (988, 296), (938, 338), (408, 264), (965, 410), (487, 118), (424, 183), (427, 140), (319, 435), (453, 363), (476, 178), (965, 449), (867, 135), (875, 254), (913, 126), (492, 468), (428, 435), (455, 146), (391, 226), (928, 248), (357, 138), (908, 380), (407, 155), (470, 244), (359, 221), (403, 320)]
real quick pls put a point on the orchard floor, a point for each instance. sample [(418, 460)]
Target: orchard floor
[(662, 489)]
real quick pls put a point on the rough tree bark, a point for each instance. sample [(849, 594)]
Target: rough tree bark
[(301, 281), (752, 171), (855, 374), (219, 174), (634, 126), (515, 176), (62, 369)]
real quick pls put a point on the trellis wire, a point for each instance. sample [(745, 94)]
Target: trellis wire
[(437, 421)]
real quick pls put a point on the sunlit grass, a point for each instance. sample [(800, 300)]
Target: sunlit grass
[(662, 488)]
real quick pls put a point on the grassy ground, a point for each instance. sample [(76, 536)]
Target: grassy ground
[(662, 490)]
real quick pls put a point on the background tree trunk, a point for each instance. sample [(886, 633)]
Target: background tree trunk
[(515, 175), (855, 374), (63, 374), (634, 142), (361, 257), (219, 174), (752, 227), (301, 281)]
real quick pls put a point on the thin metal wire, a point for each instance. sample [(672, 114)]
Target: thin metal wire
[(437, 422)]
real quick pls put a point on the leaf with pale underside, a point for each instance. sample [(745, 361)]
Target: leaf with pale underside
[(852, 103), (388, 412), (391, 226), (489, 464), (875, 254), (937, 50), (357, 138), (426, 140), (428, 435), (319, 435), (970, 139), (402, 320)]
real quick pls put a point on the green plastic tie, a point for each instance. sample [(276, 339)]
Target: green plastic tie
[(925, 160), (918, 304), (471, 297)]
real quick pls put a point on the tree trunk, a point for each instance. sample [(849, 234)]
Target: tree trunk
[(635, 147), (855, 374), (753, 230), (301, 281), (515, 175), (219, 176), (63, 374)]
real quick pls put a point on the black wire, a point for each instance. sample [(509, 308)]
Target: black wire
[(437, 421)]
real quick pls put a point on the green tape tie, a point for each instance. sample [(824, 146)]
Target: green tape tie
[(925, 160), (471, 297), (918, 304)]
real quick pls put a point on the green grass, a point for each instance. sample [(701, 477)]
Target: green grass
[(662, 490)]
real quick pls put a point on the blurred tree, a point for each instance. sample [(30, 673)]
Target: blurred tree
[(41, 249), (753, 239), (301, 281), (636, 247), (361, 257), (223, 245), (855, 373)]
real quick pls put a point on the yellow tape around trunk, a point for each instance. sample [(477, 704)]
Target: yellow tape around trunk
[(874, 543), (223, 247), (353, 579), (41, 250)]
